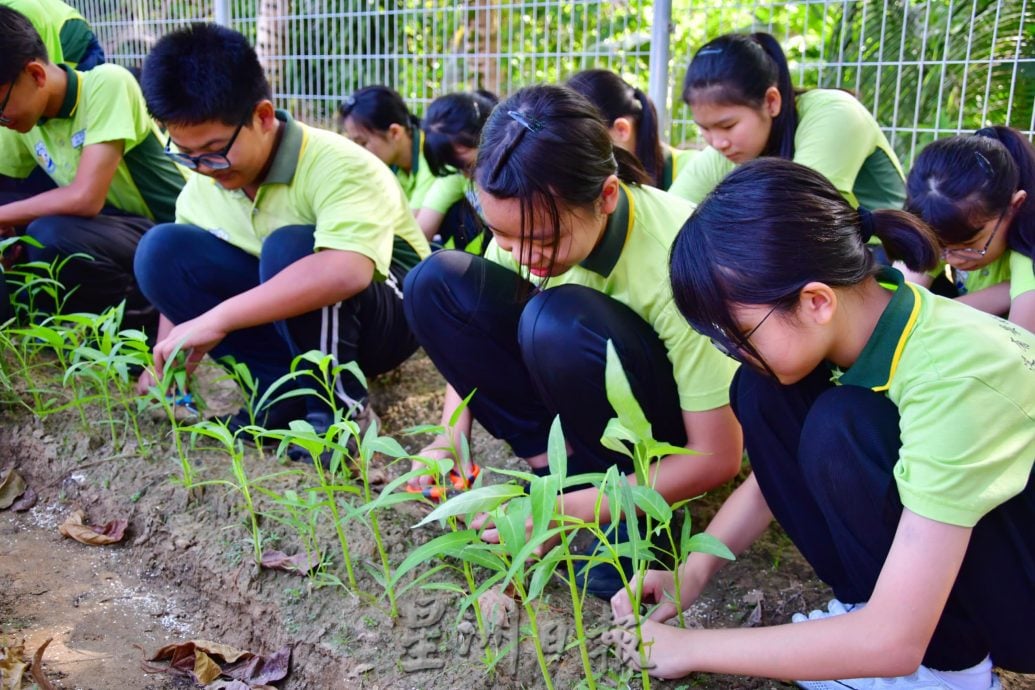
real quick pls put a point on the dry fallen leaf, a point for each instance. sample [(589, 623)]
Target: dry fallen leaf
[(207, 661), (27, 500), (205, 670), (12, 667), (260, 669), (11, 487), (301, 563), (95, 535), (37, 667)]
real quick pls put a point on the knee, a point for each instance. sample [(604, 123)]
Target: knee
[(154, 262), (434, 284), (557, 329), (283, 247), (52, 233)]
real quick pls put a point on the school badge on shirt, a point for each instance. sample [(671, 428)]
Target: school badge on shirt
[(78, 139), (44, 159)]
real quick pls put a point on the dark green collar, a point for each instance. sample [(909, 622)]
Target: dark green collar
[(68, 105), (879, 359), (605, 255), (285, 160), (668, 174)]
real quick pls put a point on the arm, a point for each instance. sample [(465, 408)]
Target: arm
[(314, 281), (429, 221), (1022, 310), (994, 299), (84, 197), (886, 638)]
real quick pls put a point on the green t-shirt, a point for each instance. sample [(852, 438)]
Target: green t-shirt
[(836, 136), (316, 178), (964, 385), (1012, 267), (419, 179), (65, 33), (676, 161), (630, 265), (101, 106), (446, 191)]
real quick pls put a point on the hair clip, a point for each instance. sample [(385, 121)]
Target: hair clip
[(709, 51), (349, 103), (984, 163), (532, 126)]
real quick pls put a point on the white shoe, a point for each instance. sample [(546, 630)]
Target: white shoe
[(834, 608), (922, 679)]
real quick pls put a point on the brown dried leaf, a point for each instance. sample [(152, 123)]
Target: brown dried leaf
[(175, 653), (231, 685), (12, 667), (11, 487), (27, 500), (205, 670), (301, 563), (95, 535), (37, 667), (262, 670)]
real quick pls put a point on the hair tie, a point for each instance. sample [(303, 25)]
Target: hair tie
[(349, 103), (867, 226)]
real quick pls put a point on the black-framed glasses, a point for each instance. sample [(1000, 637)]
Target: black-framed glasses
[(217, 160), (740, 341), (971, 252), (4, 120)]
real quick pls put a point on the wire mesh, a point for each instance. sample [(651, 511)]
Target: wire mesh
[(925, 69)]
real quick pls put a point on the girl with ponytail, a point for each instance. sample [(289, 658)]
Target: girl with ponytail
[(976, 192), (891, 433), (739, 89), (632, 121), (577, 244)]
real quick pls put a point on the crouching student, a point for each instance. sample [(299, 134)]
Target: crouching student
[(975, 192), (891, 433), (91, 134), (577, 245), (290, 239)]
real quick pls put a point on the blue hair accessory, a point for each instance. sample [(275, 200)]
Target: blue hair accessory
[(532, 125), (867, 225)]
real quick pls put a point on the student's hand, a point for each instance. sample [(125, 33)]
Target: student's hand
[(439, 449), (194, 338), (145, 382), (491, 535), (656, 587)]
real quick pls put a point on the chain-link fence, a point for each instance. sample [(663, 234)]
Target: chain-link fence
[(925, 69)]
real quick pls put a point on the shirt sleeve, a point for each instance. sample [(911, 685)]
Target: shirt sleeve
[(444, 192), (702, 373), (115, 108), (700, 174), (966, 448), (1022, 277)]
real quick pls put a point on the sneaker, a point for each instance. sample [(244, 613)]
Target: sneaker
[(321, 422), (834, 608), (921, 679)]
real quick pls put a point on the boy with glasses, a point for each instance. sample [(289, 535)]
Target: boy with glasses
[(289, 239), (91, 134)]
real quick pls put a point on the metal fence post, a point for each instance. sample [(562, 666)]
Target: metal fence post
[(657, 87), (221, 9)]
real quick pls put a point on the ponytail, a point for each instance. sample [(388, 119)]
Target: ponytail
[(738, 69), (376, 108), (452, 120), (1022, 232), (648, 144), (905, 237)]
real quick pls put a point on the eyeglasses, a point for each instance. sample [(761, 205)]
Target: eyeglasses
[(4, 120), (213, 161), (970, 252), (740, 341)]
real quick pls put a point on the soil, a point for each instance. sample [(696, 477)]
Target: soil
[(185, 570)]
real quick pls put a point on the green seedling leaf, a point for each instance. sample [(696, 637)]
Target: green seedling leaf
[(652, 503), (455, 417), (423, 429), (556, 450), (617, 437), (658, 449), (543, 493), (480, 500), (541, 573), (702, 542), (511, 522), (386, 445), (621, 397), (443, 544)]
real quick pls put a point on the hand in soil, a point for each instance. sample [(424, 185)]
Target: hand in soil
[(664, 647), (438, 449), (195, 338), (657, 587)]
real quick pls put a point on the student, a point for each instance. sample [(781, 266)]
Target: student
[(632, 121), (90, 132), (975, 191), (289, 239), (739, 89), (453, 126), (576, 243), (66, 35), (891, 434), (376, 118)]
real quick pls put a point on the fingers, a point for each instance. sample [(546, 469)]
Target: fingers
[(621, 604), (625, 641)]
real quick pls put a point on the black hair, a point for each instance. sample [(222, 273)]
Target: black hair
[(203, 73), (376, 108), (454, 119), (20, 44), (770, 228), (738, 69), (547, 146), (958, 182), (615, 98)]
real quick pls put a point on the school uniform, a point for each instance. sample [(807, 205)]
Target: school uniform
[(936, 415), (1012, 267), (66, 35), (100, 106), (462, 226), (837, 137), (537, 349), (416, 181), (675, 162), (321, 192)]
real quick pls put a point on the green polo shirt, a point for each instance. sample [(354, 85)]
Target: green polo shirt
[(836, 136), (316, 178), (630, 265), (1012, 267), (964, 385), (65, 33), (446, 191), (676, 161), (418, 180), (101, 106)]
